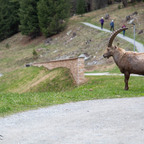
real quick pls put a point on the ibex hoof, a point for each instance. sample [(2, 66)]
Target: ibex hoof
[(126, 88)]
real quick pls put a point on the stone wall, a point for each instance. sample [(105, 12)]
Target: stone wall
[(75, 65)]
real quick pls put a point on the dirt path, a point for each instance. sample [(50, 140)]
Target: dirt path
[(139, 46), (109, 121)]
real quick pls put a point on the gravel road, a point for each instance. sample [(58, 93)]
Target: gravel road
[(109, 121)]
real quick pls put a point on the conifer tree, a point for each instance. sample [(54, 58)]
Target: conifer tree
[(29, 24), (52, 15), (81, 6), (9, 19)]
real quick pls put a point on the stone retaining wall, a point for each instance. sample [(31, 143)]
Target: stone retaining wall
[(75, 65)]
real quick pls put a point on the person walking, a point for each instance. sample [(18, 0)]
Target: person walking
[(102, 22), (124, 26), (112, 25)]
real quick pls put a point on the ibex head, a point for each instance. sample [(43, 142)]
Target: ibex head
[(111, 49)]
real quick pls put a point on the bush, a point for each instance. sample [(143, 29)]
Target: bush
[(7, 46), (119, 6), (35, 54)]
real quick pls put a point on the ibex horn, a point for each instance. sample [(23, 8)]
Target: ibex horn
[(113, 35)]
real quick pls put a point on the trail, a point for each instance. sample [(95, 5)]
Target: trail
[(139, 46), (108, 74)]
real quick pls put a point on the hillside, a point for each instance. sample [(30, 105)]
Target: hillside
[(16, 51)]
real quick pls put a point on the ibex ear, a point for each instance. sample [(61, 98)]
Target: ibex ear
[(115, 47), (118, 44)]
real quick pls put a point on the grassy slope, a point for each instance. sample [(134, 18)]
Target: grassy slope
[(34, 79), (58, 87), (100, 87)]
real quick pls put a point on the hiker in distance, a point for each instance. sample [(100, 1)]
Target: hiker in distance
[(124, 26), (112, 25), (102, 22)]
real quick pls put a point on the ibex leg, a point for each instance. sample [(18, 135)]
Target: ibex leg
[(127, 76)]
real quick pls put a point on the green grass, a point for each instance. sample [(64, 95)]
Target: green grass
[(16, 80), (59, 81), (34, 79), (100, 87)]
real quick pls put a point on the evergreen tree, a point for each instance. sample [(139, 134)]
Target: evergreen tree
[(73, 4), (81, 5), (52, 15), (9, 19), (29, 24)]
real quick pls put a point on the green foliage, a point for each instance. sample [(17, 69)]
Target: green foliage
[(29, 24), (35, 54), (9, 19), (7, 46), (80, 9), (52, 16), (119, 6)]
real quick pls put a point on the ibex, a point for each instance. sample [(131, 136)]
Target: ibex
[(128, 62)]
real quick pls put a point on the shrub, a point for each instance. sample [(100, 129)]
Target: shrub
[(35, 54)]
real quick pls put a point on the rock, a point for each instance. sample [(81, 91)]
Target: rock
[(61, 21), (88, 41), (135, 13), (74, 34), (28, 64), (40, 49), (128, 18), (140, 32), (68, 33), (48, 40), (107, 16)]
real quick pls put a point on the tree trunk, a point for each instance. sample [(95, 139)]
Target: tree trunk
[(125, 3)]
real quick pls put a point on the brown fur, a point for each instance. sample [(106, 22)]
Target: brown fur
[(127, 61)]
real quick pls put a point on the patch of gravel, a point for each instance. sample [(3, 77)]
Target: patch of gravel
[(109, 121)]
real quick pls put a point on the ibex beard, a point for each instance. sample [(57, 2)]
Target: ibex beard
[(128, 62)]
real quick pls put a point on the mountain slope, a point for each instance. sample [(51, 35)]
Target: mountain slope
[(16, 51)]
